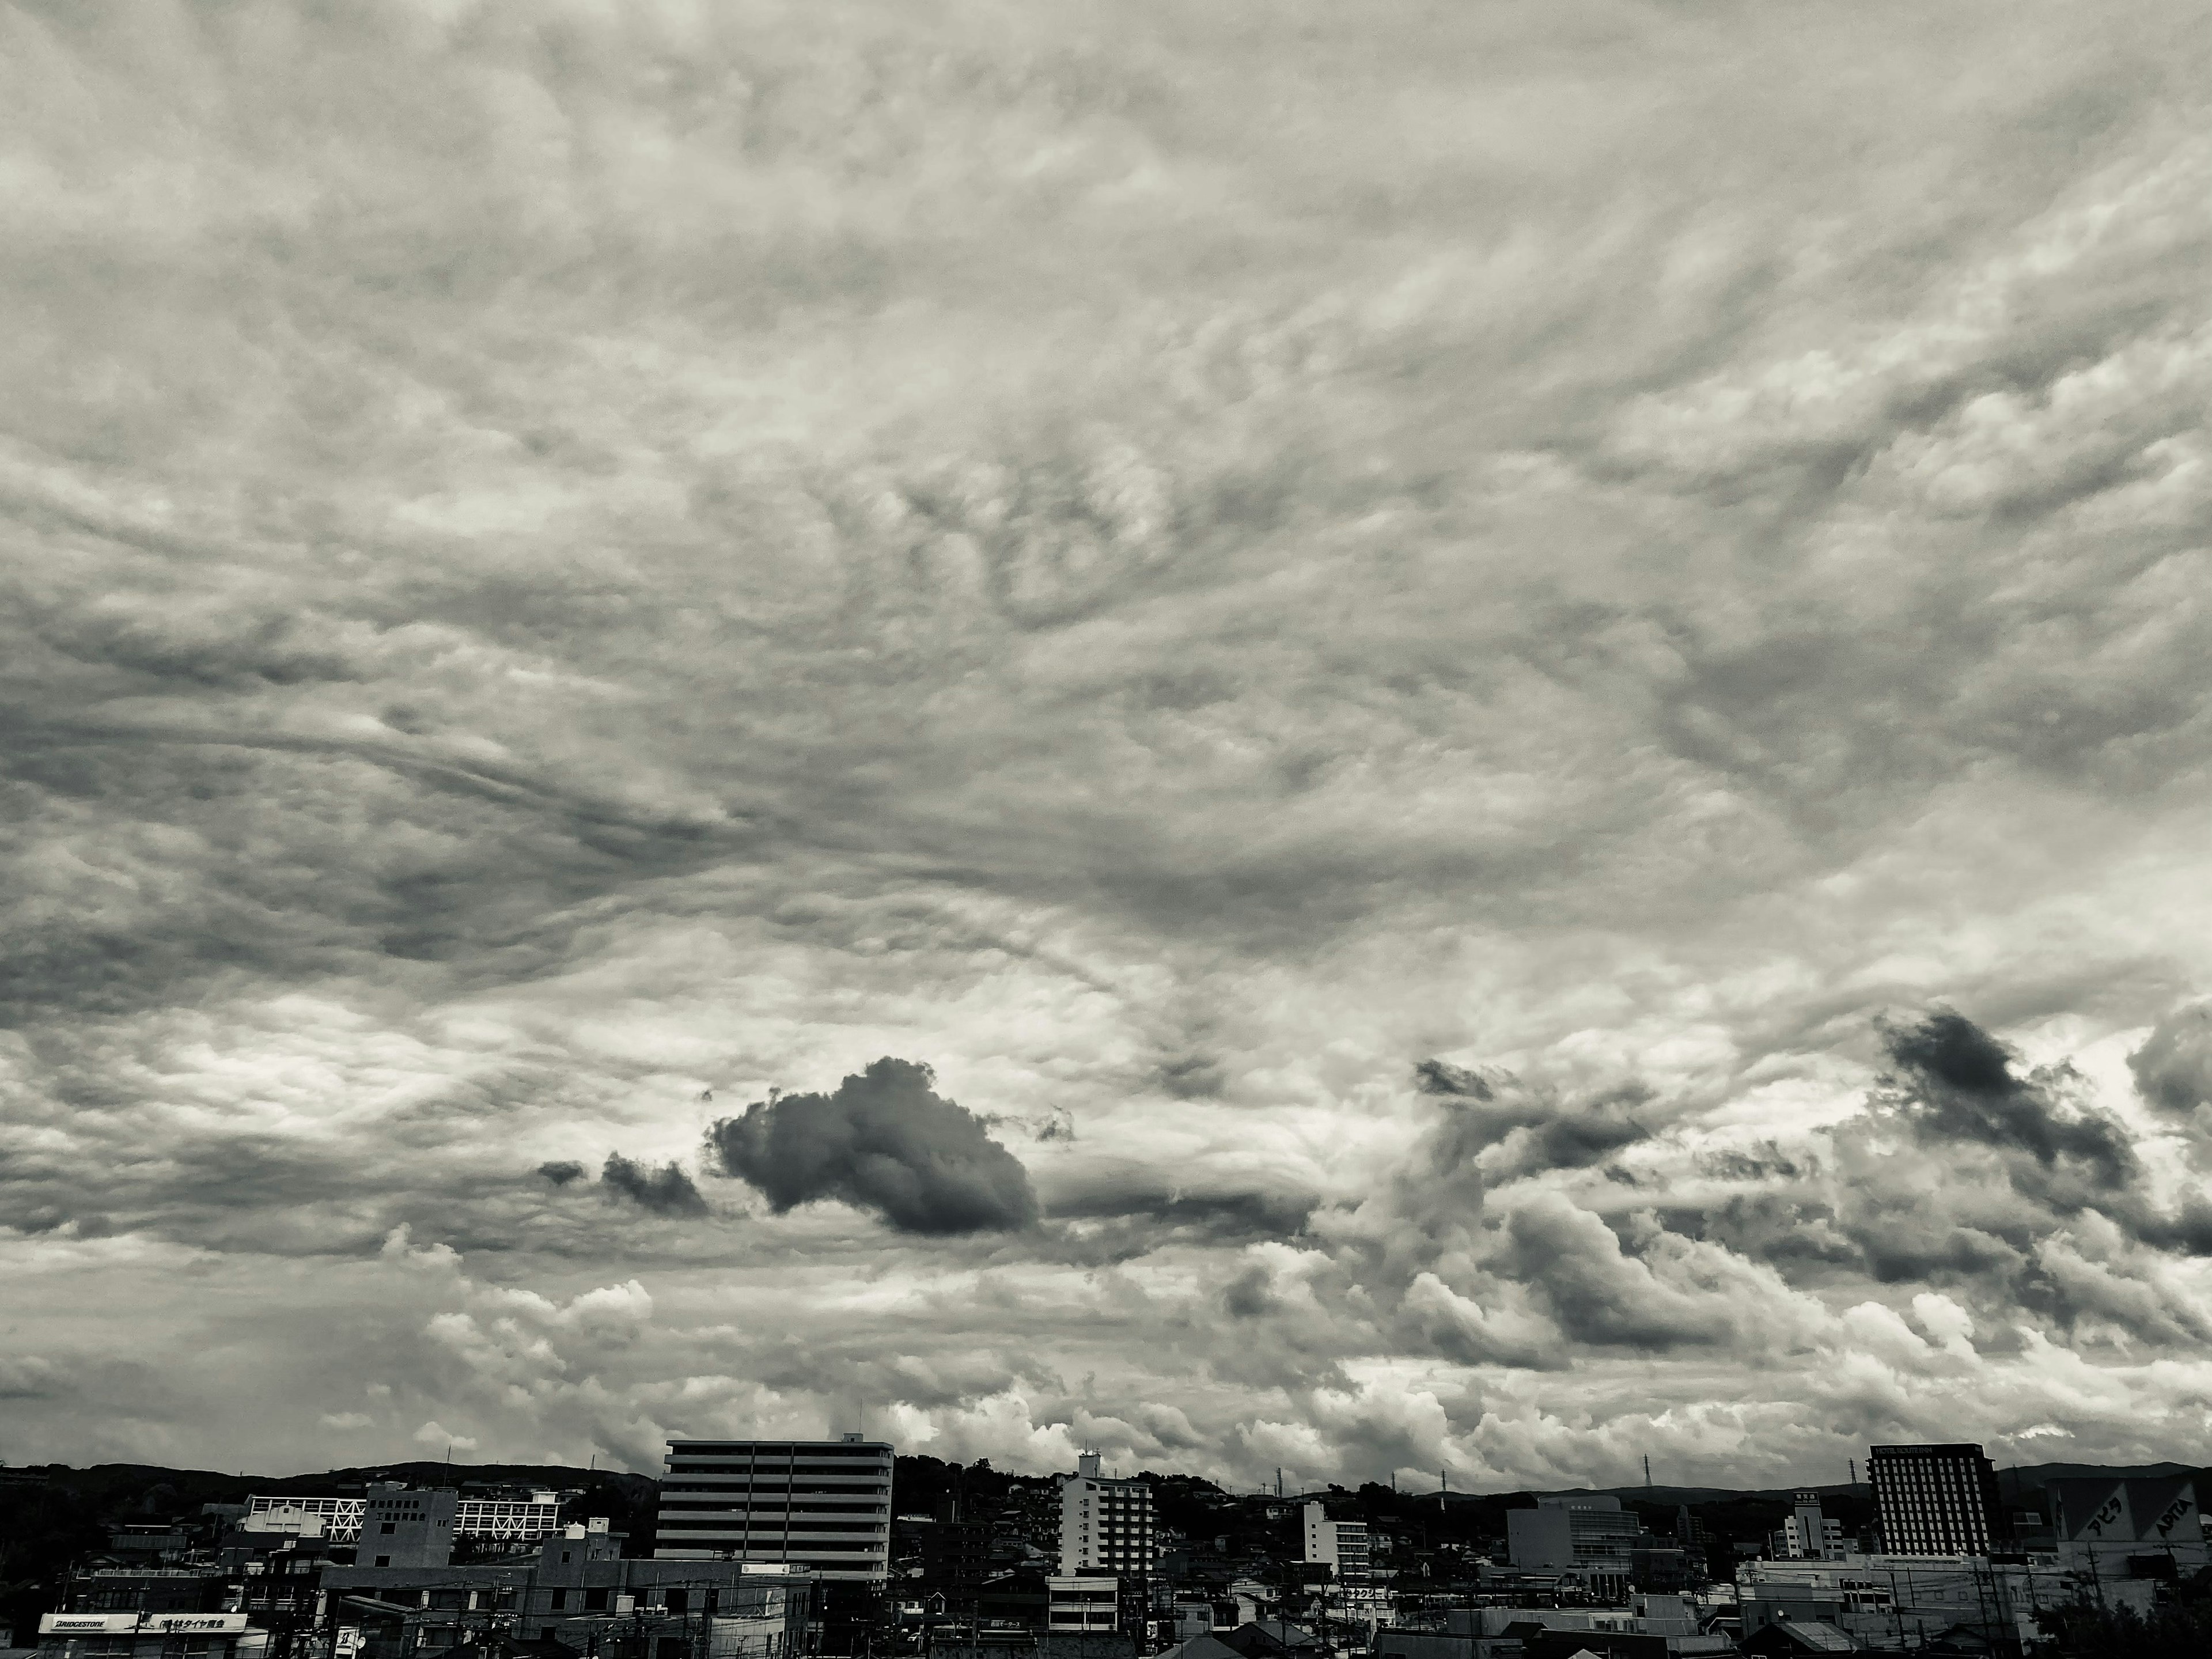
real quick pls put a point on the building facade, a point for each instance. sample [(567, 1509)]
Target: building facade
[(1075, 1607), (148, 1635), (1341, 1545), (1936, 1500), (1589, 1533), (2119, 1528), (824, 1506), (578, 1590), (524, 1516), (1808, 1535), (1105, 1525)]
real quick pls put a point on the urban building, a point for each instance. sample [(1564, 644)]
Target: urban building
[(2116, 1528), (1105, 1525), (1657, 1626), (1577, 1530), (147, 1590), (517, 1515), (148, 1635), (946, 1556), (1083, 1605), (578, 1590), (1341, 1545), (1936, 1500), (1906, 1601), (1806, 1534), (823, 1505), (401, 1527)]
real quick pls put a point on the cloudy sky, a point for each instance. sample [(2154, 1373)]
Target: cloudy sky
[(1359, 737)]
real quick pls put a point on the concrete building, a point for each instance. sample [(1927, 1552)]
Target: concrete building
[(1904, 1600), (2113, 1528), (1808, 1535), (1658, 1626), (579, 1591), (1075, 1607), (1936, 1500), (824, 1506), (1575, 1530), (1105, 1525), (148, 1635), (520, 1515), (401, 1527), (1341, 1545)]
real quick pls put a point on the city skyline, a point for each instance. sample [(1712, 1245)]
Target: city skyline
[(1358, 740)]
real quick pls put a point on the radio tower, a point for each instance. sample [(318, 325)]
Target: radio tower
[(1647, 1471)]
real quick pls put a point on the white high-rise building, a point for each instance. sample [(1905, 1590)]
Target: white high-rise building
[(1105, 1526), (822, 1504), (1339, 1544)]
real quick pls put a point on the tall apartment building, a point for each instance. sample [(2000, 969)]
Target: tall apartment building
[(824, 1505), (1339, 1544), (1105, 1526), (1936, 1500)]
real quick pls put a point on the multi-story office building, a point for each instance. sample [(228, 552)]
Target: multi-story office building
[(824, 1505), (1808, 1535), (1105, 1526), (1573, 1532), (1936, 1500)]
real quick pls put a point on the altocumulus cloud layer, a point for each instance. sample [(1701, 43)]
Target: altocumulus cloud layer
[(1478, 732)]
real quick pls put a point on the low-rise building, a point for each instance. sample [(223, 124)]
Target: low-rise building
[(579, 1591), (148, 1635), (1082, 1605)]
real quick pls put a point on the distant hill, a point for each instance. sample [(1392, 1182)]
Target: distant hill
[(2026, 1479)]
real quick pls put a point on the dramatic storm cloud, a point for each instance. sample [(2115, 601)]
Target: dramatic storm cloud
[(1510, 695), (667, 1191), (886, 1141)]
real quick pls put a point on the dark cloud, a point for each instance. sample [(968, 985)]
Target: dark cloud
[(667, 1191), (1582, 1136), (1763, 1162), (1485, 1108), (1599, 1293), (886, 1142), (2173, 1068), (1441, 1076), (1250, 1294), (561, 1173), (1955, 1082)]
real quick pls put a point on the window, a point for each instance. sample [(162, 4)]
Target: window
[(560, 1597), (595, 1600), (388, 1528), (383, 1560), (679, 1601)]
